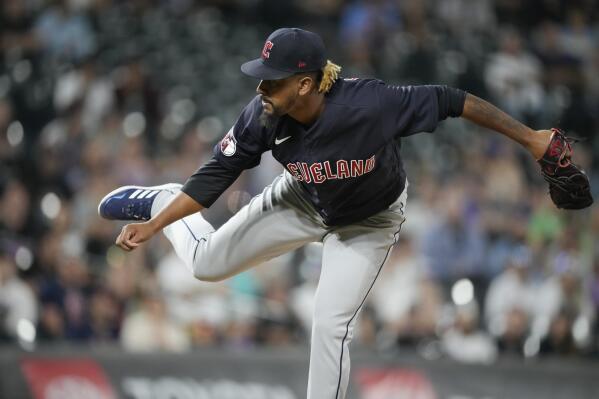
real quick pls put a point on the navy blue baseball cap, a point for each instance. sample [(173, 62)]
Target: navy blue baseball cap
[(287, 51)]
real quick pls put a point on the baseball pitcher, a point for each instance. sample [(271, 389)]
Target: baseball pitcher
[(344, 184)]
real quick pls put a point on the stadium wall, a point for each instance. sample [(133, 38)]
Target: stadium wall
[(213, 374)]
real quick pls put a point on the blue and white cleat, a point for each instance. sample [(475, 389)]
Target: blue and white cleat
[(133, 202)]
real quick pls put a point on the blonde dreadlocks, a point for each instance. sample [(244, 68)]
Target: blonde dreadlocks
[(330, 73)]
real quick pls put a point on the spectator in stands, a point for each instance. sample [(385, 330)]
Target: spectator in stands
[(512, 338), (241, 333), (559, 290), (561, 73), (17, 38), (510, 294), (14, 208), (201, 308), (591, 85), (277, 323), (83, 86), (365, 25), (466, 17), (549, 47), (423, 211), (544, 224), (513, 76), (149, 329), (137, 167), (51, 327), (136, 94), (17, 300), (517, 13), (302, 295), (505, 206), (68, 292), (244, 310), (325, 9), (105, 316), (560, 341), (405, 299), (419, 63), (465, 342), (367, 326), (454, 245), (594, 290), (8, 150), (64, 34), (577, 36)]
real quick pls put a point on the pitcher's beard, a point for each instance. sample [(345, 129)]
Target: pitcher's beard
[(268, 121)]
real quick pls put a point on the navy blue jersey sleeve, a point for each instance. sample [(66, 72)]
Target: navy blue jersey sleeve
[(209, 182), (406, 110), (243, 145)]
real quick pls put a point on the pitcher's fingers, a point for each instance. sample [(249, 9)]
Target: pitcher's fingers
[(124, 246), (130, 244), (120, 240), (121, 243), (120, 237), (131, 239)]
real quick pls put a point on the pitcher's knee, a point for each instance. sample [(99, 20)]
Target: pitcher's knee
[(329, 326)]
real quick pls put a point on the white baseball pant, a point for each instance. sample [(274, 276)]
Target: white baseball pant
[(279, 220)]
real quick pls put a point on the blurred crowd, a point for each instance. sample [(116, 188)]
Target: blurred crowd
[(100, 93)]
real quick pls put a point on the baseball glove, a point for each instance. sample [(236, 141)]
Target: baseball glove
[(569, 185)]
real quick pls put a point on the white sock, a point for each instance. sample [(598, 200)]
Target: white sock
[(160, 201)]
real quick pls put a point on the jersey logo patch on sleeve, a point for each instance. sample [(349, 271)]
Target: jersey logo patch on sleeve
[(228, 145)]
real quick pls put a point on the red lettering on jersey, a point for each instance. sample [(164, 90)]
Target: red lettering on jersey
[(327, 171), (306, 172), (293, 170), (356, 167), (369, 164), (266, 50), (319, 172), (300, 171), (317, 176), (342, 169)]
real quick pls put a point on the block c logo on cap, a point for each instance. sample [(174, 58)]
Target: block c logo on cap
[(266, 50)]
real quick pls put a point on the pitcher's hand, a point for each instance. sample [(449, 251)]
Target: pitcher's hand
[(132, 235)]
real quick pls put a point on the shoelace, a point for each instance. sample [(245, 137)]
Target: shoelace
[(566, 155), (139, 209)]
